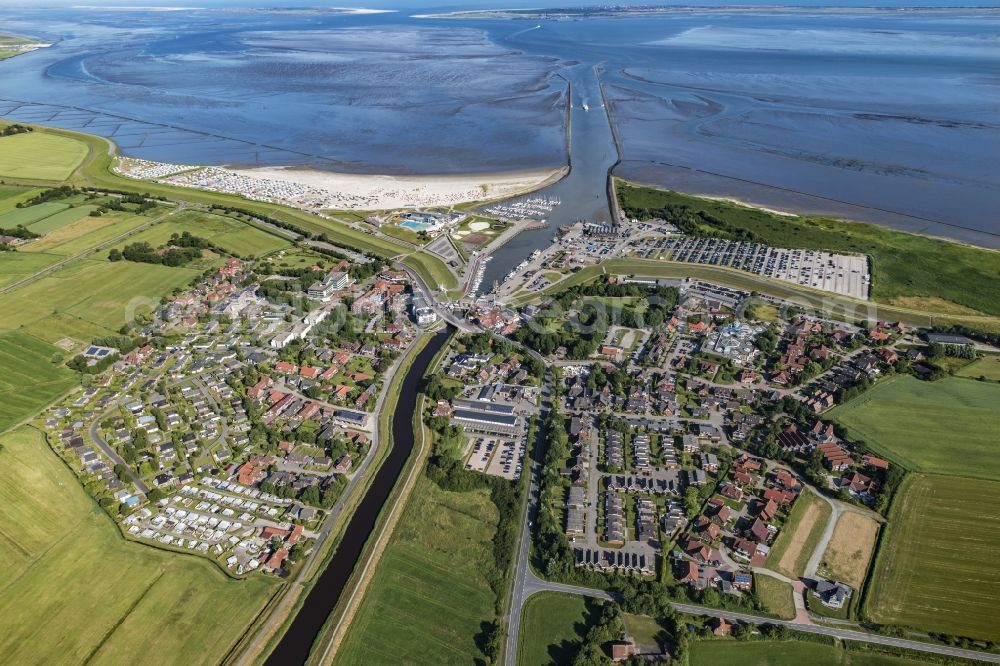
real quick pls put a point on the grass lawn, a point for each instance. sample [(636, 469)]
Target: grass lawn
[(799, 536), (988, 367), (99, 292), (905, 266), (933, 570), (429, 599), (776, 595), (298, 257), (785, 653), (234, 236), (28, 379), (402, 233), (644, 630), (74, 591), (947, 427), (40, 156), (850, 549), (432, 270), (553, 625)]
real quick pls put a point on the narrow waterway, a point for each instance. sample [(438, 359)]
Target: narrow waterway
[(583, 192), (298, 640)]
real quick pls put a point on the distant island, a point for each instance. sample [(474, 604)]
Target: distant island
[(12, 45), (644, 10)]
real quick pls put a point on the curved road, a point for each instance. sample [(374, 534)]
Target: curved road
[(533, 584)]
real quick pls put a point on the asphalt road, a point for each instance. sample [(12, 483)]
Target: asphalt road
[(110, 452), (525, 582), (532, 584)]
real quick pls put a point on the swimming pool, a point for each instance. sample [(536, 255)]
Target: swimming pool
[(415, 226)]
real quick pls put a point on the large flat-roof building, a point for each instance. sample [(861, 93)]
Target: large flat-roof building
[(486, 421)]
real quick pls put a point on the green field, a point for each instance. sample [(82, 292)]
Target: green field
[(60, 219), (432, 270), (74, 591), (934, 567), (96, 171), (231, 235), (799, 535), (103, 294), (428, 599), (948, 427), (28, 379), (785, 653), (40, 156), (644, 630), (988, 367), (553, 625), (11, 195), (776, 596), (86, 233), (31, 214), (905, 266), (16, 265)]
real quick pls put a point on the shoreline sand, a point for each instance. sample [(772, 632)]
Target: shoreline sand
[(381, 192)]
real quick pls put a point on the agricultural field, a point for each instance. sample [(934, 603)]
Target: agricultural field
[(40, 156), (11, 195), (776, 596), (785, 653), (850, 549), (906, 266), (240, 238), (102, 294), (60, 219), (127, 598), (17, 265), (28, 379), (85, 233), (553, 625), (31, 214), (988, 367), (947, 427), (428, 598), (933, 571), (799, 535)]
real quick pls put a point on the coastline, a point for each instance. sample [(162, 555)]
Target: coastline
[(386, 191), (314, 189), (902, 223)]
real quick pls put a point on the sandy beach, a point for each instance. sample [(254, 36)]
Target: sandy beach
[(344, 191)]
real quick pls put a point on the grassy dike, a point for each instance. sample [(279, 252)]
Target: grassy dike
[(830, 305), (908, 270), (96, 171), (325, 648)]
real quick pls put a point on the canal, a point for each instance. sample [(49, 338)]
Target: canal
[(583, 192), (295, 645)]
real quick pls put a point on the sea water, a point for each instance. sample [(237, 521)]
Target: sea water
[(888, 116)]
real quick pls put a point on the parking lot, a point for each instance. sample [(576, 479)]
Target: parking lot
[(845, 274), (498, 457)]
